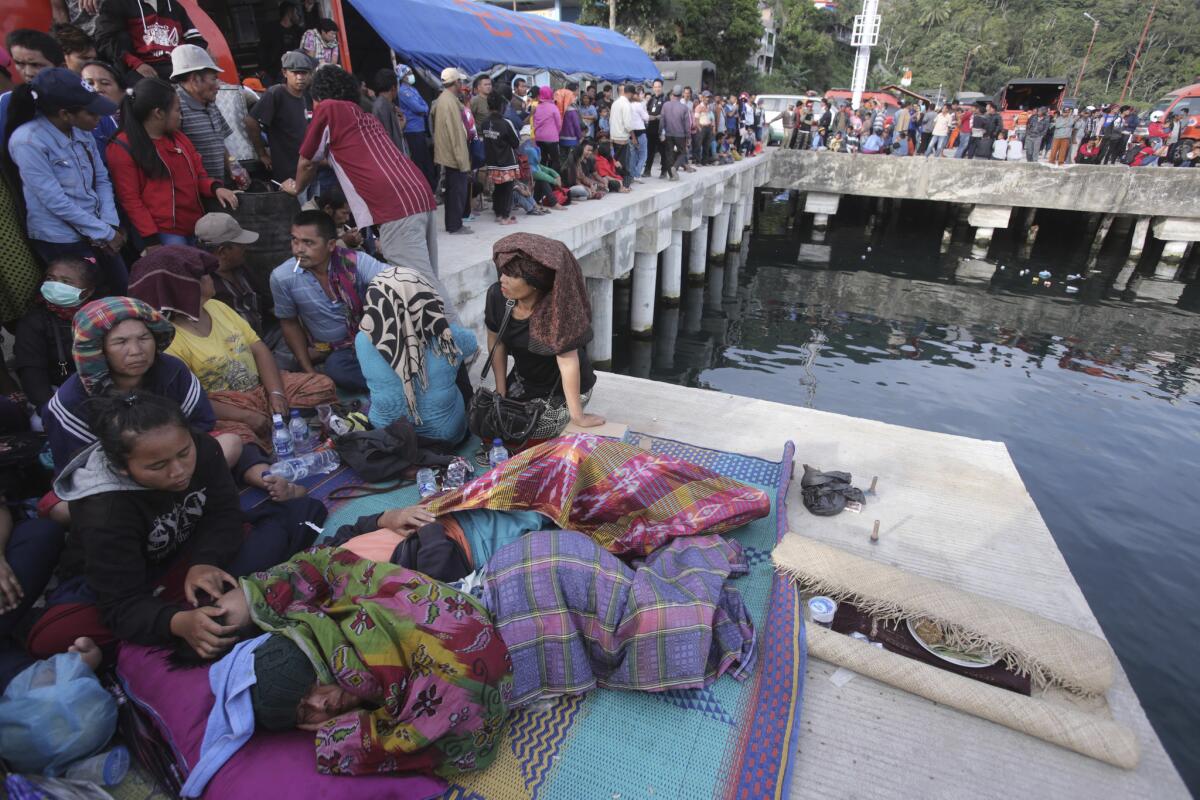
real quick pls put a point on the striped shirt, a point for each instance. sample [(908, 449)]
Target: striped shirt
[(380, 183), (207, 129)]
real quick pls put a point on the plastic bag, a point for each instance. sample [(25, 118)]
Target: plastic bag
[(55, 713), (826, 493)]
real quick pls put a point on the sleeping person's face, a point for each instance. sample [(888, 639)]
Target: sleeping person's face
[(323, 703)]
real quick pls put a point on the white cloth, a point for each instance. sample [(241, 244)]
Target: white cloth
[(640, 116), (620, 120)]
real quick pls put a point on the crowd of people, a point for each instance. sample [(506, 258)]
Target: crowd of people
[(1090, 135)]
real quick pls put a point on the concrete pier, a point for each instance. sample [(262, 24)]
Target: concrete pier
[(641, 308), (982, 533), (822, 206), (600, 292), (672, 269), (698, 253), (719, 232)]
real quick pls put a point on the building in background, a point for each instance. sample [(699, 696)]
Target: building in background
[(763, 58)]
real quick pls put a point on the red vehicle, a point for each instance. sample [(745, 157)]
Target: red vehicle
[(1184, 102), (839, 96), (1021, 97)]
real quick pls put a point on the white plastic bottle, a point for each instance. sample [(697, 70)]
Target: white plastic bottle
[(498, 453), (281, 439), (315, 463), (298, 428)]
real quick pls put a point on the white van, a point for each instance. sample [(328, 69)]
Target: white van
[(772, 105)]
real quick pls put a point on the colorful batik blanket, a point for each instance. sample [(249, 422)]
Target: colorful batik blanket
[(425, 656), (575, 617), (628, 500)]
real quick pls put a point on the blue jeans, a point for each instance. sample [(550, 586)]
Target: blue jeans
[(342, 367), (638, 151), (32, 553), (175, 238)]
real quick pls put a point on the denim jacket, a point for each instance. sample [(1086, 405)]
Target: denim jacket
[(67, 190), (415, 109)]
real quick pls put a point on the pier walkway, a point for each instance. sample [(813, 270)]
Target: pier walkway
[(951, 508)]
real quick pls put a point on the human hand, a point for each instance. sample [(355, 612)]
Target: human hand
[(289, 186), (11, 593), (227, 198), (89, 6), (352, 238), (406, 520), (200, 629), (117, 241), (208, 578), (260, 423), (588, 420), (265, 160), (316, 356), (146, 71)]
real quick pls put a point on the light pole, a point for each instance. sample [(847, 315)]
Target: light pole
[(1087, 55), (863, 36), (1137, 55)]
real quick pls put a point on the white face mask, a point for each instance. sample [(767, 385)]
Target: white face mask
[(410, 78)]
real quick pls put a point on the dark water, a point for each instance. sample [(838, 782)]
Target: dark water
[(1098, 400)]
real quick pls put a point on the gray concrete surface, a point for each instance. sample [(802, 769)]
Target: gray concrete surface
[(1078, 187), (953, 509)]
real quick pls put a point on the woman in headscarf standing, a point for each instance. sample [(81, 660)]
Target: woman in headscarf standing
[(538, 312), (547, 128), (412, 357), (233, 365)]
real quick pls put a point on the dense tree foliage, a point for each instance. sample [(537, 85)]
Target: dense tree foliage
[(998, 40)]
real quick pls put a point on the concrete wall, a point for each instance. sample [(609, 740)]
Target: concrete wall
[(1080, 187)]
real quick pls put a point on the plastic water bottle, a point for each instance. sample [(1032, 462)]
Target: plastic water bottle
[(456, 474), (333, 424), (281, 439), (102, 769), (316, 463), (301, 441), (426, 482), (497, 454)]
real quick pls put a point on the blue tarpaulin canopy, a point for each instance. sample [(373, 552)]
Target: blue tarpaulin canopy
[(476, 37)]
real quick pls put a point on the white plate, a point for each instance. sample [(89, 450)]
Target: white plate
[(958, 660)]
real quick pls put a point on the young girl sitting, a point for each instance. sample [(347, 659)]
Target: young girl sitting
[(608, 167), (156, 526)]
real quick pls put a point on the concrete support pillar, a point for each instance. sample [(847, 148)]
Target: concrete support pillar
[(983, 236), (733, 265), (822, 206), (698, 253), (600, 292), (641, 358), (737, 223), (714, 292), (1125, 276), (1138, 243), (665, 333), (672, 269), (641, 304), (1173, 255), (720, 232), (1027, 218), (693, 315), (1098, 242)]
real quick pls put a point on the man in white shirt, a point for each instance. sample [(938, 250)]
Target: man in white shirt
[(637, 136), (620, 128)]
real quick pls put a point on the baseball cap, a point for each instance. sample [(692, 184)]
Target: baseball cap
[(298, 61), (452, 75), (188, 58), (222, 229), (65, 89)]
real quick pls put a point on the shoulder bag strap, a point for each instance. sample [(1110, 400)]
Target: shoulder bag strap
[(487, 365)]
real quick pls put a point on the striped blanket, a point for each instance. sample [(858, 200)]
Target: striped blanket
[(575, 617), (630, 501)]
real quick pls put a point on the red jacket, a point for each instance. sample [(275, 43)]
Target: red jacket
[(606, 168), (163, 205)]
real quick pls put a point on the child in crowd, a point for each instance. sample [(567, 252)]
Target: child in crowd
[(1016, 148), (156, 527), (724, 154), (603, 121), (1000, 147)]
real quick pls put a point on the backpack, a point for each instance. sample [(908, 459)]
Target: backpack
[(384, 454)]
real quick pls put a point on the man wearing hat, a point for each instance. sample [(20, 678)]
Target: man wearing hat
[(221, 235), (676, 125), (140, 37), (283, 113), (196, 75), (450, 147)]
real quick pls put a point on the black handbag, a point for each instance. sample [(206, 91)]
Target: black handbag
[(493, 416)]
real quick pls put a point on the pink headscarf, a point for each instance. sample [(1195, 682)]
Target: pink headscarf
[(544, 93)]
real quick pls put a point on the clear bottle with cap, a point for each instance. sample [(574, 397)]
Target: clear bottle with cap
[(821, 610), (281, 439)]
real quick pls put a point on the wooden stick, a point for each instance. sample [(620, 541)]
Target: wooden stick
[(875, 533)]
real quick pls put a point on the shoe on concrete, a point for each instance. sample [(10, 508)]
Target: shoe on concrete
[(463, 230)]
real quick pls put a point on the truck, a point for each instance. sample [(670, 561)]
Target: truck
[(699, 75), (1183, 102), (1019, 98)]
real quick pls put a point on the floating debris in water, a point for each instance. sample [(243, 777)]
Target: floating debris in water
[(1072, 289), (1044, 274)]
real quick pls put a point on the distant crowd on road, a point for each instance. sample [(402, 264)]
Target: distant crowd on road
[(1105, 135)]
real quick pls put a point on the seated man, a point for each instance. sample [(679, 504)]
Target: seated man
[(223, 237), (319, 300)]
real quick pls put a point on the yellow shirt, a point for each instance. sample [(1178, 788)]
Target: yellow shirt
[(222, 360)]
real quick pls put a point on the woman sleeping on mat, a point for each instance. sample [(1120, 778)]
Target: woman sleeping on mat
[(155, 523), (119, 346), (234, 366), (394, 671)]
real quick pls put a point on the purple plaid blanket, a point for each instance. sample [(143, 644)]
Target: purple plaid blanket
[(575, 617)]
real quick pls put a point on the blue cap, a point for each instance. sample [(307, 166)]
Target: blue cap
[(65, 89)]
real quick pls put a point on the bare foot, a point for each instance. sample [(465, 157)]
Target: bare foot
[(281, 489), (89, 652)]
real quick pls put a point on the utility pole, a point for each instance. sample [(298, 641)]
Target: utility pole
[(1136, 55), (612, 15), (966, 63), (864, 36), (1087, 55)]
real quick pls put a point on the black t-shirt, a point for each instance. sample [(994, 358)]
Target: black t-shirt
[(538, 374), (285, 118), (42, 351)]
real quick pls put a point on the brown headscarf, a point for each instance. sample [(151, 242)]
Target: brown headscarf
[(562, 319), (168, 279)]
